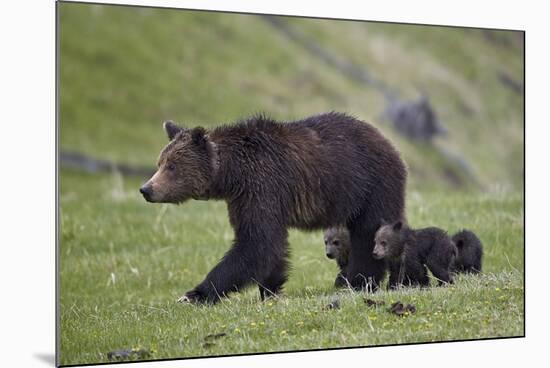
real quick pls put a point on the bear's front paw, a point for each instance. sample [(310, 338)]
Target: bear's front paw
[(191, 297)]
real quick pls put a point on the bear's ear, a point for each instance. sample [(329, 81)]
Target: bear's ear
[(171, 129), (198, 136), (398, 225)]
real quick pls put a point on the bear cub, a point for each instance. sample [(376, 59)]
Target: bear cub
[(470, 252), (409, 251), (337, 247)]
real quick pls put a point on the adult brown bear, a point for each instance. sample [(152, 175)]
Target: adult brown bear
[(326, 170)]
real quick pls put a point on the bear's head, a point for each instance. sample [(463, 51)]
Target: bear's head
[(337, 242), (389, 240), (185, 167)]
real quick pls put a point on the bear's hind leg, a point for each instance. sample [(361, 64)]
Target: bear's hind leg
[(415, 273), (442, 274), (363, 271), (440, 261), (272, 284)]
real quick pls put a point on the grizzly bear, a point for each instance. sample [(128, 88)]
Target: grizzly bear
[(326, 170), (470, 252), (409, 251), (337, 246)]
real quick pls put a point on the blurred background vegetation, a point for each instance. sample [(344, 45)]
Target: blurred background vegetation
[(124, 262), (123, 70)]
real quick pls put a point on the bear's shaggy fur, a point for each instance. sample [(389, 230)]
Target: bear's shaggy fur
[(338, 246), (470, 252), (322, 171), (409, 251)]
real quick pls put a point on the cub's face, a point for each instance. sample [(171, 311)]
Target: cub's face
[(337, 242), (184, 167), (388, 241)]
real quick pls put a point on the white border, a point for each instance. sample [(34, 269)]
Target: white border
[(27, 180)]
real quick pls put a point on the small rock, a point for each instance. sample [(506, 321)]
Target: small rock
[(125, 354), (373, 303), (214, 336), (334, 304), (400, 309)]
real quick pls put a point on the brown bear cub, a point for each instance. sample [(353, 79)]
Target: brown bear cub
[(409, 251), (470, 252), (311, 174), (337, 246)]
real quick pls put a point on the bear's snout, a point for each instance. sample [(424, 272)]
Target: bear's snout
[(146, 190)]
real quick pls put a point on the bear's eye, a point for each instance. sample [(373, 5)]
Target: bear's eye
[(336, 243), (383, 243), (171, 167)]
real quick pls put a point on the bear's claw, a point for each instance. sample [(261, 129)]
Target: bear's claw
[(184, 299), (191, 297)]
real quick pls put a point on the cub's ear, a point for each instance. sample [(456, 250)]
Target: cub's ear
[(171, 129), (198, 136), (398, 225)]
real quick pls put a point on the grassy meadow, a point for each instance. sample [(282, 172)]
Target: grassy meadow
[(124, 262)]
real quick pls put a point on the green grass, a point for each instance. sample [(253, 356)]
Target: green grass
[(124, 263)]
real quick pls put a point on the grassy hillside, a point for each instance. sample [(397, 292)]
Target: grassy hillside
[(124, 70), (124, 262)]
